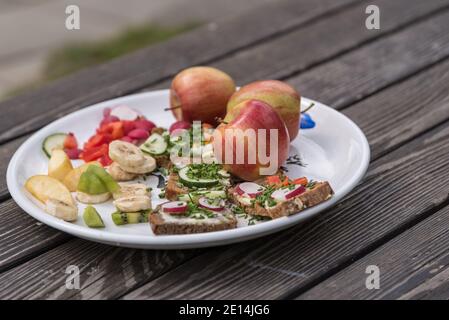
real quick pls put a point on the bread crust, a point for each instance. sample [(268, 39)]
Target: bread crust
[(161, 227), (321, 192)]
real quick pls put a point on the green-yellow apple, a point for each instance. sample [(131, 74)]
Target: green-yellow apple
[(281, 96), (254, 143), (200, 93)]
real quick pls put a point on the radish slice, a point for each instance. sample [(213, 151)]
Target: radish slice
[(124, 113), (144, 124), (138, 134), (285, 193), (250, 189), (127, 139), (280, 194), (175, 207), (204, 202), (299, 189)]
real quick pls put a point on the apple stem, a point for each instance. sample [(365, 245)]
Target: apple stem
[(309, 107), (220, 120), (172, 108)]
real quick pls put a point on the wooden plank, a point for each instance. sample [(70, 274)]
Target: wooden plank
[(6, 152), (414, 265), (389, 60), (387, 126), (98, 271), (403, 113), (281, 265), (132, 72), (22, 237), (391, 117), (79, 260), (323, 40)]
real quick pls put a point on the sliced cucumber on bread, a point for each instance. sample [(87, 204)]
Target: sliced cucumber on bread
[(156, 144), (193, 181)]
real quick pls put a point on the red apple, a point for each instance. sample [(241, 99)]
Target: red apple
[(281, 96), (256, 115), (200, 93)]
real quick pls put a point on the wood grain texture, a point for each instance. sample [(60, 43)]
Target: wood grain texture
[(115, 276), (31, 111), (283, 264), (403, 111), (6, 152), (322, 40), (22, 237), (390, 59), (414, 265), (105, 271)]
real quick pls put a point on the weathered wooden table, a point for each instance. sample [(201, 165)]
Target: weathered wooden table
[(393, 82)]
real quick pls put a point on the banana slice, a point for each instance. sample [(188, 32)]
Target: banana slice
[(131, 189), (133, 203), (125, 153), (61, 210), (119, 174), (92, 198), (148, 166)]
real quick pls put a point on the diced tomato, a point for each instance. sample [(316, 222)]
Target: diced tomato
[(70, 141), (302, 181), (273, 180), (94, 153)]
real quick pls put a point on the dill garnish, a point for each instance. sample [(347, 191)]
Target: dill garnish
[(296, 160)]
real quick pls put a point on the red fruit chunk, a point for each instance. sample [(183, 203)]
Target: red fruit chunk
[(94, 153), (105, 160), (115, 129), (139, 134), (97, 140), (144, 124), (108, 120), (127, 139), (180, 125), (73, 153), (106, 112), (70, 142), (128, 126)]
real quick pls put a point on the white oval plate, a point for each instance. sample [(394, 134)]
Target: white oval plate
[(335, 150)]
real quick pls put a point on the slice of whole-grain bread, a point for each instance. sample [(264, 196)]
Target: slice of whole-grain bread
[(320, 192), (164, 224)]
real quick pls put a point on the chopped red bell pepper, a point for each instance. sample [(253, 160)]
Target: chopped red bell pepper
[(97, 140), (105, 160), (115, 129), (94, 153)]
